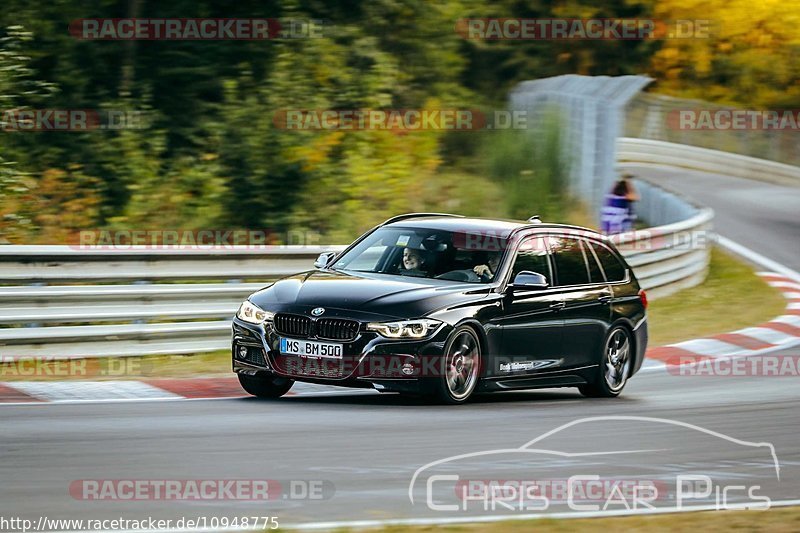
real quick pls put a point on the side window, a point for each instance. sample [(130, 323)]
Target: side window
[(595, 274), (613, 268), (532, 256), (570, 264)]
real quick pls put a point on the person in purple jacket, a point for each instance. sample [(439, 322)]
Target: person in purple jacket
[(617, 215)]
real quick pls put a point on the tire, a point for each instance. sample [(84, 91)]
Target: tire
[(615, 366), (460, 367), (265, 385)]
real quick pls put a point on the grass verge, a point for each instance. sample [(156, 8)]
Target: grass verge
[(732, 297), (778, 520)]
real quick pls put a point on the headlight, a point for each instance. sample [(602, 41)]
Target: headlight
[(253, 314), (405, 329)]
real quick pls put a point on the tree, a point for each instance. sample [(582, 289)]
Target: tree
[(748, 58)]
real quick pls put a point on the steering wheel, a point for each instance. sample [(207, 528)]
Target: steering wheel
[(460, 275)]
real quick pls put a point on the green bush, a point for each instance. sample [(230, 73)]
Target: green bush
[(532, 165)]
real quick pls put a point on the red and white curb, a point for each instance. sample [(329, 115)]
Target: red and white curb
[(149, 390), (779, 333)]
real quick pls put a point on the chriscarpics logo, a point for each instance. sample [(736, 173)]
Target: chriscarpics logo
[(590, 465)]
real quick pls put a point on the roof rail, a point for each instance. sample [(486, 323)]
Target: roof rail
[(418, 215), (547, 225)]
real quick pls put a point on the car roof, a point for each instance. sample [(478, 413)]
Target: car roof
[(459, 223), (500, 227)]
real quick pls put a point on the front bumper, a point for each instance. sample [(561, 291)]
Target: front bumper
[(369, 360)]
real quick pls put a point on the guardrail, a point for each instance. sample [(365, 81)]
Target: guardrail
[(46, 264), (159, 305), (63, 301), (673, 255), (155, 301)]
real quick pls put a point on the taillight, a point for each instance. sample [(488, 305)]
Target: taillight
[(643, 297)]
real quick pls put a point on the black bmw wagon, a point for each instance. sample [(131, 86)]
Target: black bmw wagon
[(445, 306)]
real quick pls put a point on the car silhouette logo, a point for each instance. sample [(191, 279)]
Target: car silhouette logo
[(317, 311)]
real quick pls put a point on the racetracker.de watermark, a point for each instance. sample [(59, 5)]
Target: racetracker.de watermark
[(62, 367), (76, 120), (201, 489), (628, 241), (399, 120), (761, 365), (734, 119), (315, 364), (195, 29), (570, 29), (190, 239)]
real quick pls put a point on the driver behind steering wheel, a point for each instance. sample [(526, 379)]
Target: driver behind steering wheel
[(488, 271)]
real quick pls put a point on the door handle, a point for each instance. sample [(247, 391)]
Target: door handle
[(558, 305), (606, 298)]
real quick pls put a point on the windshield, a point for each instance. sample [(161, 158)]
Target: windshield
[(468, 256)]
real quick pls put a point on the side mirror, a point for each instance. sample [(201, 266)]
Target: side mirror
[(527, 280), (323, 259)]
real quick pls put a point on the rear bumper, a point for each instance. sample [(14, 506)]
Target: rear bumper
[(640, 335)]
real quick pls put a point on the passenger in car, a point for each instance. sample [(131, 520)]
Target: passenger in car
[(413, 262)]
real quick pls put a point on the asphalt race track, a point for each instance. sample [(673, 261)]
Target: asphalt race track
[(366, 447), (761, 216)]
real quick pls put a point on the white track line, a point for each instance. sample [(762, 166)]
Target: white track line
[(757, 258)]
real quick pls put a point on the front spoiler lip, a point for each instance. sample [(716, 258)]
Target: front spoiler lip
[(241, 367)]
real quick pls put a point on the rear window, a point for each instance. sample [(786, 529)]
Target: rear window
[(613, 268)]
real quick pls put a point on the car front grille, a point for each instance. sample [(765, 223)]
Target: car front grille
[(333, 329), (336, 329), (294, 325)]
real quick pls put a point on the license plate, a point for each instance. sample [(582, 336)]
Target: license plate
[(311, 348)]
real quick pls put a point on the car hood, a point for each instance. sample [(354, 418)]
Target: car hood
[(388, 296)]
